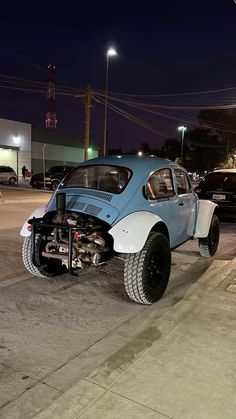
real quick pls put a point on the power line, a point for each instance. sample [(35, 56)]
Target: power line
[(176, 94), (132, 118), (176, 118), (40, 91), (190, 108)]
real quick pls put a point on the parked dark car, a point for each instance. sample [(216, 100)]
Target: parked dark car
[(219, 186), (53, 177), (7, 175)]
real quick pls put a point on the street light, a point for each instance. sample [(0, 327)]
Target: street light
[(111, 52), (182, 129)]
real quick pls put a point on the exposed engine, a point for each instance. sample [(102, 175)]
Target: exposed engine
[(76, 239)]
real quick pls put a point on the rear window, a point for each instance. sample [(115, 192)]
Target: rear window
[(55, 169), (214, 180), (6, 169), (106, 178)]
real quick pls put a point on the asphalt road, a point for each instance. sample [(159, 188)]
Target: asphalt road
[(55, 331)]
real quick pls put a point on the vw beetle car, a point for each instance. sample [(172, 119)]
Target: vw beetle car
[(142, 207)]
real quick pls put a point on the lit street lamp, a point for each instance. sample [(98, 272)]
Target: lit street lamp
[(110, 53), (182, 129)]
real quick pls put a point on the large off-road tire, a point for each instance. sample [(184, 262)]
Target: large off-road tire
[(46, 267), (147, 272), (208, 245)]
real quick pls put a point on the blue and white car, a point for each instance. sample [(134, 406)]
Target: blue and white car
[(140, 207)]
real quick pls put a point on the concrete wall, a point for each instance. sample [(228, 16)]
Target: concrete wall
[(19, 134), (57, 155), (15, 134)]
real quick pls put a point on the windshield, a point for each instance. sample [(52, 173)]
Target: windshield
[(106, 178), (55, 169)]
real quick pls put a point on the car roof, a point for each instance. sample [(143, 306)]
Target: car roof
[(9, 167), (133, 162), (224, 171)]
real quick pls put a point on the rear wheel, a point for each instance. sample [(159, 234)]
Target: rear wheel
[(12, 181), (45, 267), (208, 245), (147, 272)]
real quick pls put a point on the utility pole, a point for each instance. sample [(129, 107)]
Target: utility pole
[(87, 102)]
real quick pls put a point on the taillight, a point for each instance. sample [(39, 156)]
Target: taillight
[(76, 235), (29, 228)]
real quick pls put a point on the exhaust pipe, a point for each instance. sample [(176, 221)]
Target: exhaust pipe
[(60, 206)]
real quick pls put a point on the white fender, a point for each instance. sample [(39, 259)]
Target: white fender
[(38, 213), (205, 212), (131, 233)]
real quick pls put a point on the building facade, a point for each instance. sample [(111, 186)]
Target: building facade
[(22, 144), (15, 144)]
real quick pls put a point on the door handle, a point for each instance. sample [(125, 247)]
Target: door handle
[(181, 203)]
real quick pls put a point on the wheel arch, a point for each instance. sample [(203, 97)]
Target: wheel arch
[(161, 227), (131, 232), (205, 212), (39, 212)]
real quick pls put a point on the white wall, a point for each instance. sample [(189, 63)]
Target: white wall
[(15, 134), (58, 153)]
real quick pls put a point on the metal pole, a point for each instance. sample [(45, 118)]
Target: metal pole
[(105, 112), (182, 143), (17, 165), (43, 166), (87, 121)]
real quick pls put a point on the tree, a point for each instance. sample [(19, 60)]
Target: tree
[(204, 149), (171, 149), (223, 122), (145, 148)]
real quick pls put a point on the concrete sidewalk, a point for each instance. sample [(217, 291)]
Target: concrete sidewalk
[(182, 366)]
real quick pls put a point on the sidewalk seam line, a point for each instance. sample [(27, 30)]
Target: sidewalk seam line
[(108, 390), (164, 335)]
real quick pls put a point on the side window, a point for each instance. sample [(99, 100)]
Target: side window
[(183, 183), (160, 185)]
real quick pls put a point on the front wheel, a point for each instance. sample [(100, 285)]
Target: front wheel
[(45, 267), (55, 185), (208, 245), (147, 272)]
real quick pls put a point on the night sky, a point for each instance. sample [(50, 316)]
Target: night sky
[(164, 47)]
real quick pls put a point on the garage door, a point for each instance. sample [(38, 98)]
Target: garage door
[(8, 157)]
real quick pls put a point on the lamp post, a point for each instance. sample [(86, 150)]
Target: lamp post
[(110, 53), (182, 129)]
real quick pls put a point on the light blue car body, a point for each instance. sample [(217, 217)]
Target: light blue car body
[(178, 212)]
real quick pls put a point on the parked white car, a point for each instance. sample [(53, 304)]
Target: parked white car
[(7, 175)]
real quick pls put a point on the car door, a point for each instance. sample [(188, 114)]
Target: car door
[(3, 174), (186, 205), (163, 200)]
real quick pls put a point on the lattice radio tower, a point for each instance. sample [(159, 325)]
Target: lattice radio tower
[(51, 119)]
